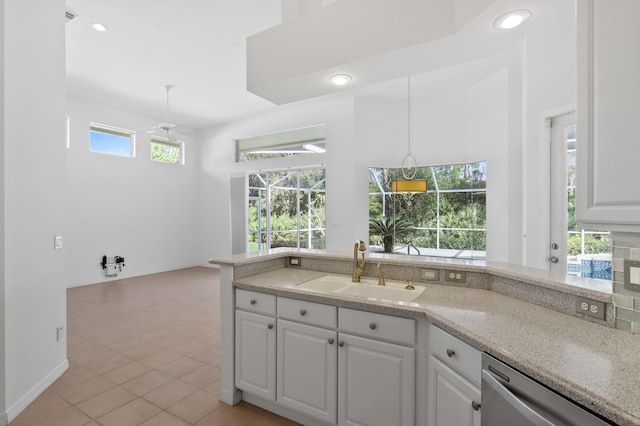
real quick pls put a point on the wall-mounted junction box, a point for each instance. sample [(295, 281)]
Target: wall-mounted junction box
[(455, 276), (592, 308)]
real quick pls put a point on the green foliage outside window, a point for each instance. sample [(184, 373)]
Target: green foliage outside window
[(461, 191), (166, 152), (287, 203)]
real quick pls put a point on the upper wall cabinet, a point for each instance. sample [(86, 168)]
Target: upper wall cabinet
[(608, 153)]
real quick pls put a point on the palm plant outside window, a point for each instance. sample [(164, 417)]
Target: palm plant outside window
[(287, 209), (448, 220)]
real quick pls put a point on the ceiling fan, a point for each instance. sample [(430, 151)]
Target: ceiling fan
[(166, 129)]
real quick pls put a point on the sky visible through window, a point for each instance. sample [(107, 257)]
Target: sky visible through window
[(106, 143)]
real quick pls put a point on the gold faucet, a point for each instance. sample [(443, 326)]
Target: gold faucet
[(358, 268), (380, 274)]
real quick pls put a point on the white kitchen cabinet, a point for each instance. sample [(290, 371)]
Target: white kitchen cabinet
[(454, 381), (307, 369), (608, 197), (455, 398), (376, 382), (255, 354)]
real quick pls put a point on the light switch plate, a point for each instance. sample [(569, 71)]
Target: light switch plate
[(429, 274), (632, 275), (295, 262)]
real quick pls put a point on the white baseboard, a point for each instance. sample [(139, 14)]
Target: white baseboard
[(26, 399)]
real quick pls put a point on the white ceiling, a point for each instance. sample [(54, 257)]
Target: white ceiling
[(196, 45), (199, 46)]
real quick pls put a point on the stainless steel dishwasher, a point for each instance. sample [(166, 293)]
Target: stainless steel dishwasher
[(510, 398)]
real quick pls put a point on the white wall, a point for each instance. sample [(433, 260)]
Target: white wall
[(33, 135), (142, 210), (459, 125), (496, 116), (218, 165), (463, 124), (3, 417), (549, 83)]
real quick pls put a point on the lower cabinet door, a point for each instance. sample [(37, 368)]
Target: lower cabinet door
[(307, 369), (256, 354), (456, 399), (376, 382)]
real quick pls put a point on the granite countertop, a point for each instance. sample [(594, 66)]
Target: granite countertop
[(592, 364)]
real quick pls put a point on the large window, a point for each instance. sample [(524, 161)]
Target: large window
[(164, 151), (287, 209), (111, 140), (288, 143), (448, 220)]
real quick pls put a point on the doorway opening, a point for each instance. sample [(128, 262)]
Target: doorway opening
[(575, 251)]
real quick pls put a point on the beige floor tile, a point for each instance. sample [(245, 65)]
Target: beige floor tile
[(213, 388), (164, 419), (68, 416), (85, 390), (131, 414), (74, 375), (202, 376), (142, 351), (105, 402), (181, 366), (226, 415), (188, 348), (147, 382), (160, 358), (145, 317), (127, 372), (45, 404), (195, 406), (104, 365), (208, 355), (170, 393)]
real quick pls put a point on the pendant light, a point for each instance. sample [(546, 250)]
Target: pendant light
[(409, 185)]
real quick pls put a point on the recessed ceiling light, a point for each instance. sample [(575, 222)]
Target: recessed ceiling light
[(512, 19), (340, 79), (99, 27)]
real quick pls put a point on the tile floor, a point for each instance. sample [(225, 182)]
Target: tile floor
[(143, 351)]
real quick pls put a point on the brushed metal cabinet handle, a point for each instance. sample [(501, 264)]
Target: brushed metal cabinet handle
[(476, 406), (270, 326), (330, 341), (340, 343), (450, 353), (252, 301), (372, 326), (303, 312)]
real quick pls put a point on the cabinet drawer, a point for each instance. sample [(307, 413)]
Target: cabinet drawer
[(461, 357), (307, 312), (379, 326), (256, 302)]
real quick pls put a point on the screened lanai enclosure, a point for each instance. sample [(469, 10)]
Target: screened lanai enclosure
[(449, 219), (287, 209)]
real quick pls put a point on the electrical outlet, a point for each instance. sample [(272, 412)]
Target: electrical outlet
[(429, 274), (592, 308), (59, 333), (295, 262), (57, 242), (455, 276)]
